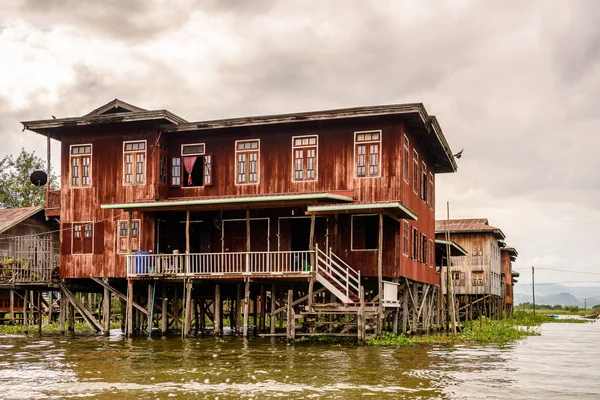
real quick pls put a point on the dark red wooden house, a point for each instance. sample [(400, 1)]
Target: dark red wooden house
[(337, 198)]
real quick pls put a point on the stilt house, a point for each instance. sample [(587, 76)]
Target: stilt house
[(509, 277), (476, 277), (341, 199)]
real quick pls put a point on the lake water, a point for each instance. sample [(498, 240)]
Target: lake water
[(563, 363)]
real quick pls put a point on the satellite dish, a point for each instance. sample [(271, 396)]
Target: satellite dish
[(38, 178)]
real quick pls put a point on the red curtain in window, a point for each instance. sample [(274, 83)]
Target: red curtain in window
[(188, 164)]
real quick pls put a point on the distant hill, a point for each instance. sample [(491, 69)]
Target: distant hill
[(554, 294)]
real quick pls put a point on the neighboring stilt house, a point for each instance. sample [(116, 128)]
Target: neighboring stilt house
[(294, 213), (509, 277), (29, 247), (477, 277)]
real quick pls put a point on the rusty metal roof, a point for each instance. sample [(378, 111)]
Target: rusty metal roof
[(468, 226), (10, 217)]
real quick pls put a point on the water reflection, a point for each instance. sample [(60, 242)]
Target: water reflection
[(563, 363)]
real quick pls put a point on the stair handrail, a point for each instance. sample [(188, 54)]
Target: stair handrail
[(344, 275)]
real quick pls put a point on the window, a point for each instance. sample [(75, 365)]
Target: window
[(197, 167), (431, 253), (365, 232), (81, 165), (458, 278), (415, 171), (405, 238), (367, 154), (176, 171), (247, 154), (83, 238), (134, 163), (405, 161), (423, 249), (431, 191), (122, 235), (415, 244), (304, 150), (477, 277), (164, 166), (424, 184)]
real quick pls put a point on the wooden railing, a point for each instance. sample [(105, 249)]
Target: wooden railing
[(14, 272), (53, 200), (203, 264), (338, 273)]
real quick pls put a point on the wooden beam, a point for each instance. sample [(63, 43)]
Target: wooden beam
[(25, 312), (380, 275), (291, 318), (296, 302), (187, 325), (273, 305), (129, 322), (12, 305), (87, 315), (106, 311), (217, 307), (246, 307)]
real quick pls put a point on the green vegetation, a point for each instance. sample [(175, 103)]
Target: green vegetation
[(549, 309), (52, 328)]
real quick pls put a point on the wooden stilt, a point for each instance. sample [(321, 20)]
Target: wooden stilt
[(62, 312), (202, 316), (149, 307), (196, 320), (188, 309), (360, 318), (405, 310), (262, 301), (38, 303), (106, 311), (25, 311), (415, 290), (217, 313), (129, 322), (12, 306), (238, 309), (246, 307), (50, 297), (71, 326), (164, 312), (272, 318), (291, 318)]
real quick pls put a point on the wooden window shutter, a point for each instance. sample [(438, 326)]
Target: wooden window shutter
[(99, 237), (208, 170), (88, 237), (65, 244)]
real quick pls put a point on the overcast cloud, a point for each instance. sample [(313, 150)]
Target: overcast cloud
[(517, 84)]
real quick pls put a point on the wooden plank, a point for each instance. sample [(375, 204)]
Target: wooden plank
[(217, 315), (296, 302), (246, 307), (272, 317), (188, 309), (88, 317)]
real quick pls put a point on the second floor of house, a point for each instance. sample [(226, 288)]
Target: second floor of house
[(376, 154)]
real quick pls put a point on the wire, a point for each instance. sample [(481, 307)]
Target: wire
[(561, 270)]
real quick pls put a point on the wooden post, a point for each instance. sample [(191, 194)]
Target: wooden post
[(188, 309), (149, 307), (62, 312), (246, 307), (196, 318), (39, 307), (311, 243), (202, 316), (262, 301), (217, 307), (238, 309), (25, 316), (415, 297), (129, 322), (360, 318), (106, 311), (405, 310), (291, 318), (50, 296), (48, 154), (164, 314), (272, 319), (380, 276), (71, 326), (12, 305)]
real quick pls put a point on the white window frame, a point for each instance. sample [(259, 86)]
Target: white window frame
[(248, 183), (118, 244), (81, 166), (133, 181), (82, 223), (305, 147), (415, 170), (431, 196), (352, 231), (182, 167), (379, 142), (406, 146)]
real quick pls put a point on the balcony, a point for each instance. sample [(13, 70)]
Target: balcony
[(53, 203), (18, 271), (234, 264)]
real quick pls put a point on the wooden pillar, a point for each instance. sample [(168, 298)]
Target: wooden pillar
[(202, 316), (39, 312), (255, 314), (106, 311), (129, 322), (12, 306), (238, 309), (164, 315), (71, 326), (405, 309), (50, 297), (291, 318), (188, 309), (62, 311), (273, 308), (149, 307), (311, 246), (262, 301), (246, 307), (25, 313), (196, 318), (232, 314), (217, 307), (380, 276), (360, 318), (415, 297)]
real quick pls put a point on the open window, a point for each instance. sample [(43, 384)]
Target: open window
[(123, 228), (477, 277), (193, 168), (365, 232)]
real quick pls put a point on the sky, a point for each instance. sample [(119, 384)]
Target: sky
[(514, 83)]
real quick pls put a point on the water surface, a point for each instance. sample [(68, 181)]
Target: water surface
[(563, 363)]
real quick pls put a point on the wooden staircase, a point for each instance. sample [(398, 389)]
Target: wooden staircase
[(338, 277)]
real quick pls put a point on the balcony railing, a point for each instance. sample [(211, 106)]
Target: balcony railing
[(18, 271), (211, 264)]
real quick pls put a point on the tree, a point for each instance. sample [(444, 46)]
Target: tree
[(16, 190)]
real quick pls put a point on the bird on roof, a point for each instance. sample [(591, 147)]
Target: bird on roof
[(53, 117), (459, 154)]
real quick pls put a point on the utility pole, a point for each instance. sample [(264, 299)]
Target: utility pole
[(585, 303), (533, 286)]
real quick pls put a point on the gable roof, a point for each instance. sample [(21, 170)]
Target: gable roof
[(10, 217), (114, 106), (473, 225)]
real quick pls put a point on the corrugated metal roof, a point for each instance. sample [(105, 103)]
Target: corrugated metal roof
[(10, 217), (467, 225)]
